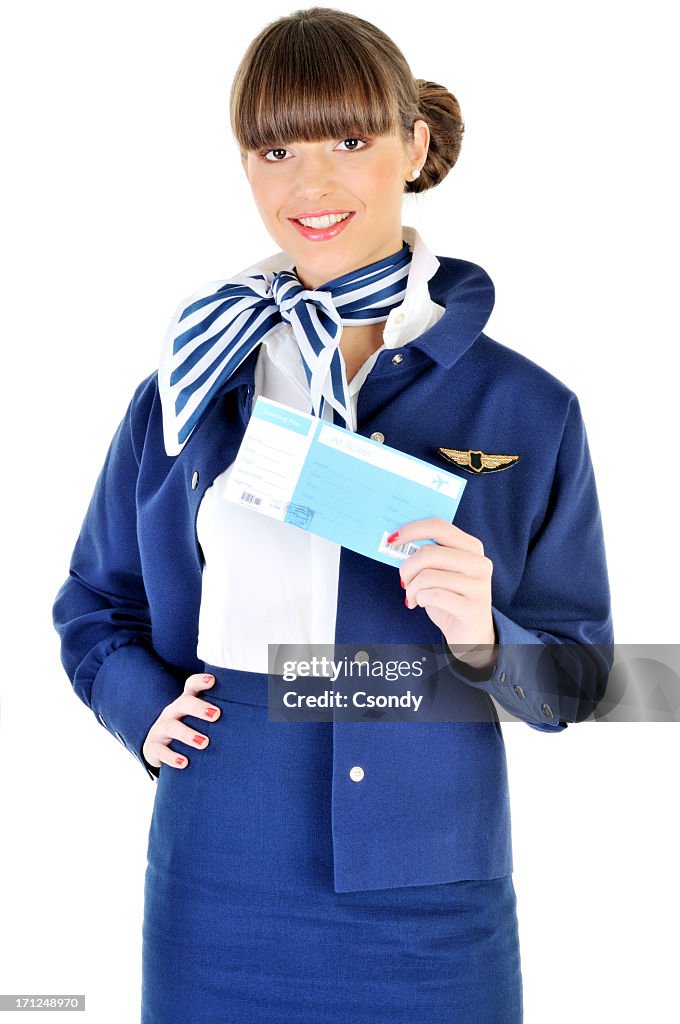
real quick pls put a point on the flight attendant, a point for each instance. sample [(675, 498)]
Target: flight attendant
[(325, 871)]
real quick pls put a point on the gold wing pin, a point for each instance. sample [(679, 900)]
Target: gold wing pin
[(478, 462)]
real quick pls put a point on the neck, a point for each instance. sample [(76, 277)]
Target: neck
[(312, 277), (358, 343)]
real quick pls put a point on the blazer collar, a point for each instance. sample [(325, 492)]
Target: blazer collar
[(467, 294)]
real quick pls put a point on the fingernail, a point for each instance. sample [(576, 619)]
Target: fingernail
[(402, 583), (392, 537), (198, 739), (406, 601), (208, 679), (179, 760), (210, 712)]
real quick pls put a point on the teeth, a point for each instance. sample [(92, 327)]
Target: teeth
[(323, 222)]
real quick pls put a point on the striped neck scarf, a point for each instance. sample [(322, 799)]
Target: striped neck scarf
[(209, 339)]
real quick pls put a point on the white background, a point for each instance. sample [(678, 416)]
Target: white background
[(122, 193)]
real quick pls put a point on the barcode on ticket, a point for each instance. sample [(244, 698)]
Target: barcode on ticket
[(399, 551), (251, 499)]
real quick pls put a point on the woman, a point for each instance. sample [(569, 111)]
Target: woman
[(326, 870)]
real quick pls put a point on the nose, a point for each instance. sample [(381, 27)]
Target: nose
[(314, 176)]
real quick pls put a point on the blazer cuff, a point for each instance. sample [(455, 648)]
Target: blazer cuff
[(130, 689), (525, 688)]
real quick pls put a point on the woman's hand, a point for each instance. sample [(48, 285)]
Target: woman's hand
[(168, 726), (451, 580)]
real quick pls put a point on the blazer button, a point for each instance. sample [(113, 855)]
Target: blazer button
[(547, 710), (356, 773), (502, 677), (194, 480), (520, 692), (397, 359), (377, 436)]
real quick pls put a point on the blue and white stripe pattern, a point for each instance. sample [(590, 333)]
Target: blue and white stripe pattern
[(211, 336)]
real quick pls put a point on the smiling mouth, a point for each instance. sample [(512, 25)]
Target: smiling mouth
[(322, 227), (321, 221)]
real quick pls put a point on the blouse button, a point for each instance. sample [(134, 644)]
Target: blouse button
[(397, 359), (520, 692), (194, 480), (502, 677), (377, 436), (356, 773)]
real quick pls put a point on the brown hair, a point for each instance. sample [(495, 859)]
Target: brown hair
[(320, 73)]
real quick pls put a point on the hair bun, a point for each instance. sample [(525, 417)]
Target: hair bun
[(440, 109)]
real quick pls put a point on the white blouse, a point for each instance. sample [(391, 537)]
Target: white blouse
[(268, 582)]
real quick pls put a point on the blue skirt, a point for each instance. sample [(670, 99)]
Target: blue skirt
[(241, 918)]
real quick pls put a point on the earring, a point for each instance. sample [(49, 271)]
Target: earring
[(415, 174)]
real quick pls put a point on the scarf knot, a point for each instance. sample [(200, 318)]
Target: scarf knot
[(209, 338)]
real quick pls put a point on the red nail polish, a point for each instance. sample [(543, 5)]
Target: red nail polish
[(210, 712), (179, 760), (198, 739), (406, 601), (392, 537), (402, 583)]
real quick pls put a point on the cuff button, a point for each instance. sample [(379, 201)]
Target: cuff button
[(547, 710), (521, 694)]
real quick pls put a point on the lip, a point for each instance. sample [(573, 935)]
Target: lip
[(322, 234), (318, 213)]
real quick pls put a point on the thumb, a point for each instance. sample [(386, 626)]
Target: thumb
[(197, 682)]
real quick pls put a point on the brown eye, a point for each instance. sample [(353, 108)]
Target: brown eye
[(354, 139), (276, 158)]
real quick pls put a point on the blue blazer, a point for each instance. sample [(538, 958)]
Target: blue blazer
[(433, 805)]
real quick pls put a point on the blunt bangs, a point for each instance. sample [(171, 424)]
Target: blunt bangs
[(304, 84)]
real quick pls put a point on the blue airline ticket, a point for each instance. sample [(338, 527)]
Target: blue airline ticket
[(303, 470)]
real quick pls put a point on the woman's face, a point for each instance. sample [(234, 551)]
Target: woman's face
[(363, 177)]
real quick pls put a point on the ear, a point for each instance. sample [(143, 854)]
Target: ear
[(244, 165), (421, 142)]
